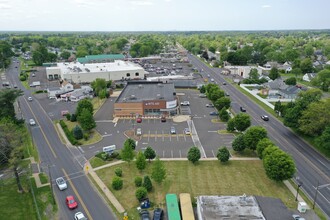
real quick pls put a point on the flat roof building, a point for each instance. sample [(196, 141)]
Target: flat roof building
[(146, 98), (85, 73)]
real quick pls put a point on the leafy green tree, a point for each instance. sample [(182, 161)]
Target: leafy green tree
[(262, 145), (274, 74), (309, 50), (84, 104), (73, 118), (131, 143), (149, 153), (215, 94), (296, 72), (140, 162), (7, 99), (77, 132), (40, 55), (306, 65), (323, 141), (254, 75), (147, 183), (223, 154), (51, 57), (238, 143), (141, 193), (98, 86), (194, 154), (127, 153), (279, 165), (291, 81), (224, 115), (231, 125), (117, 183), (65, 55), (253, 135), (86, 120), (158, 173), (202, 89), (322, 80), (222, 102), (242, 121), (5, 54)]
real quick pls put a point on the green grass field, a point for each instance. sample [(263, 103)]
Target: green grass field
[(205, 178)]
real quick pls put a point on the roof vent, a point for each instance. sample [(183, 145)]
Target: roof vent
[(160, 84), (140, 86), (132, 97)]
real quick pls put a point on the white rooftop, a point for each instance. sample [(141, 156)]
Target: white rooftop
[(76, 67)]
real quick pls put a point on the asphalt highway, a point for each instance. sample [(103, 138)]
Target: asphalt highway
[(313, 169)]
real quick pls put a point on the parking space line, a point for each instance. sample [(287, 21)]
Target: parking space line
[(170, 136), (184, 136), (172, 153), (213, 153), (180, 153), (163, 154), (156, 137), (177, 137), (163, 135), (149, 136)]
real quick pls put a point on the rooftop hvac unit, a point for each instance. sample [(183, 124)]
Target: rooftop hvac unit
[(140, 86), (132, 97), (160, 84)]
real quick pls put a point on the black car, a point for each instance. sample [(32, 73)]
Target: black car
[(265, 117), (242, 109), (145, 215), (158, 214)]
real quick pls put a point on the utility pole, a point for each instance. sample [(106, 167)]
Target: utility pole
[(51, 183)]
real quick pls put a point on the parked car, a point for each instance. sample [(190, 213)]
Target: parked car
[(209, 105), (163, 119), (30, 99), (158, 214), (32, 122), (145, 215), (15, 86), (212, 80), (265, 117), (297, 217), (224, 83), (202, 95), (227, 94), (79, 216), (173, 131), (185, 103), (138, 131), (214, 113), (242, 109), (61, 184), (71, 202), (187, 131), (138, 120)]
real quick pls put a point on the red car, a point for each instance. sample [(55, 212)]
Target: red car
[(139, 120), (70, 202)]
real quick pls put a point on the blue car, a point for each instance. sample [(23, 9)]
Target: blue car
[(214, 113)]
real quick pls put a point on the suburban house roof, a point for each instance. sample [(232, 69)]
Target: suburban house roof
[(277, 84), (291, 90)]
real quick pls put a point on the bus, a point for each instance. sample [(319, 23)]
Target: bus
[(172, 205), (187, 211)]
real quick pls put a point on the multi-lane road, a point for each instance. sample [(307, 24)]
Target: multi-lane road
[(313, 169), (61, 160)]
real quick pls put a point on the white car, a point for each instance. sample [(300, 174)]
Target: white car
[(30, 98), (187, 131), (61, 184), (138, 131), (79, 216), (32, 122), (173, 131), (185, 103)]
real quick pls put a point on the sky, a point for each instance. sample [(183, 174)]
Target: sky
[(163, 15)]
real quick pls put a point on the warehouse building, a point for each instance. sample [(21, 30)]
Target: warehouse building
[(76, 72), (146, 99)]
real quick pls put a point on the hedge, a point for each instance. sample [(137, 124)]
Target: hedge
[(68, 133)]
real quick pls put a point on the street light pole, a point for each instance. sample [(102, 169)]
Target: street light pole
[(299, 184), (317, 190)]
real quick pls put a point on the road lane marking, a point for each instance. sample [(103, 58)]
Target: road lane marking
[(78, 196), (42, 131)]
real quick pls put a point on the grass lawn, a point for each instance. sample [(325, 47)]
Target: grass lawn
[(97, 103), (96, 162), (43, 178), (206, 178), (94, 136)]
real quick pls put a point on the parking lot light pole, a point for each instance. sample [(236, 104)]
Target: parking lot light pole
[(317, 190), (299, 184)]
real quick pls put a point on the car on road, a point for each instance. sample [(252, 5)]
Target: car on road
[(61, 184), (214, 113), (265, 117), (185, 103), (138, 131), (224, 83), (173, 131), (32, 122), (242, 109), (71, 202), (139, 120), (30, 99), (212, 80), (145, 215), (227, 94), (297, 217), (15, 86), (202, 95), (158, 214), (163, 119), (208, 75), (187, 131), (209, 105), (79, 216)]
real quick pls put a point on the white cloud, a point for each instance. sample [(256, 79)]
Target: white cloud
[(141, 3), (4, 6), (84, 3), (266, 6)]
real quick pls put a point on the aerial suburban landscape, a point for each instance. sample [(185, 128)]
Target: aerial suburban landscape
[(184, 118)]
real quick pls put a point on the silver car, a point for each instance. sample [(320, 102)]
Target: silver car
[(173, 130), (139, 131), (32, 122), (61, 184)]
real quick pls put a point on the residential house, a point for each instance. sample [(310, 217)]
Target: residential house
[(290, 92), (242, 71), (309, 76)]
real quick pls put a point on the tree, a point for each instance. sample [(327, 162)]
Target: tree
[(262, 145), (242, 121), (141, 193), (65, 55), (238, 143), (253, 135), (147, 183), (131, 143), (5, 54), (158, 173), (40, 55), (296, 72), (291, 81), (254, 75), (117, 183), (279, 165), (84, 104), (322, 80), (194, 154), (323, 141), (306, 65), (86, 120), (223, 154), (274, 74), (231, 125), (7, 99), (140, 162), (77, 132), (149, 153), (127, 153), (224, 115), (99, 85), (222, 102)]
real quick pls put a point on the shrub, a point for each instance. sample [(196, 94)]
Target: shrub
[(147, 183), (115, 155), (77, 132), (141, 193), (68, 134), (73, 118), (104, 156), (22, 78), (138, 181), (119, 172), (86, 136), (68, 117), (117, 183)]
